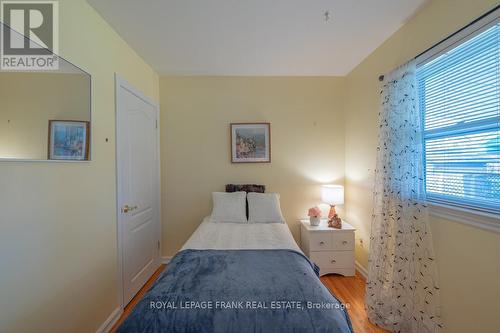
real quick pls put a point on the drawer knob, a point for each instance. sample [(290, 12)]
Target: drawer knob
[(334, 261), (344, 242), (321, 243)]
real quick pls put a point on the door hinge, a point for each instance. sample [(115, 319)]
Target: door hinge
[(156, 123), (158, 245)]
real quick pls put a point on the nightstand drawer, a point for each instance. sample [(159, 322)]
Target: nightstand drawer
[(320, 241), (333, 259), (343, 241)]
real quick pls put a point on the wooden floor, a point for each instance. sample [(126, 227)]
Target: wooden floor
[(349, 290), (128, 309)]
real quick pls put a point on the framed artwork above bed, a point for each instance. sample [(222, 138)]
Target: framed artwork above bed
[(250, 142)]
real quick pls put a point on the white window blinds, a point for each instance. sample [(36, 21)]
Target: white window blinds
[(459, 95)]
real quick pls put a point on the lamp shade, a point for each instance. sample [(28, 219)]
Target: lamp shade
[(332, 194)]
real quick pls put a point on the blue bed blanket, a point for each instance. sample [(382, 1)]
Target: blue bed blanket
[(218, 291)]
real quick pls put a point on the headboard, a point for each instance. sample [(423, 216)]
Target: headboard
[(245, 188)]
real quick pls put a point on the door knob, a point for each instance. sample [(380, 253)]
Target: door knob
[(334, 261), (127, 208)]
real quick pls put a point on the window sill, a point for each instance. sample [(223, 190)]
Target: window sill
[(483, 220)]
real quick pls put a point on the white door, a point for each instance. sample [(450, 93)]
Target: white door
[(137, 188)]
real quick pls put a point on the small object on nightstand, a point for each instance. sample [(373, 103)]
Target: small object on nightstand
[(333, 195), (331, 249), (335, 222), (314, 215)]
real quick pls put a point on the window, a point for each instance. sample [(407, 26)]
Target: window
[(459, 95)]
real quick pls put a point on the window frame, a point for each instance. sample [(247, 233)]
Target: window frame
[(448, 209)]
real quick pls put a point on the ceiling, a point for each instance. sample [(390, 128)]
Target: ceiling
[(255, 37)]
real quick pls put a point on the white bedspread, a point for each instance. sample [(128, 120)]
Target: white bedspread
[(239, 236)]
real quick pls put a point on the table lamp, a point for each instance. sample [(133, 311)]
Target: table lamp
[(333, 195)]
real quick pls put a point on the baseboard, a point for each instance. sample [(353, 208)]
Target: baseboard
[(110, 321), (165, 260), (361, 269)]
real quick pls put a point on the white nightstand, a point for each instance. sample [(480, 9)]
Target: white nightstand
[(331, 249)]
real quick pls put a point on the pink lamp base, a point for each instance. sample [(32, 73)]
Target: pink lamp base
[(334, 221)]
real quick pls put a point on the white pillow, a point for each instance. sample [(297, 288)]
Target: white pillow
[(264, 208), (229, 207)]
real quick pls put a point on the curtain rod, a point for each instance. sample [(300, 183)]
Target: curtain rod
[(381, 77)]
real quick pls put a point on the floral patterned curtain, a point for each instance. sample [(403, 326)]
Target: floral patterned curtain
[(402, 292)]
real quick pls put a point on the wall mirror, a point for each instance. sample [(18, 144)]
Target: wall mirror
[(45, 114)]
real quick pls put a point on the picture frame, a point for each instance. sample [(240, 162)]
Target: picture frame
[(68, 140), (250, 142)]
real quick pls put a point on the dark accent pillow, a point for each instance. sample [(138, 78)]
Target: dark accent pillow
[(246, 188)]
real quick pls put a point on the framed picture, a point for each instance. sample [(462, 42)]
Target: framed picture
[(68, 140), (250, 142)]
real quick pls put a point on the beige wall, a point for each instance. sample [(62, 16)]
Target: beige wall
[(468, 258), (58, 262), (29, 101), (307, 133)]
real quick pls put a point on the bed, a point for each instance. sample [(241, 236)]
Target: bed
[(239, 277)]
